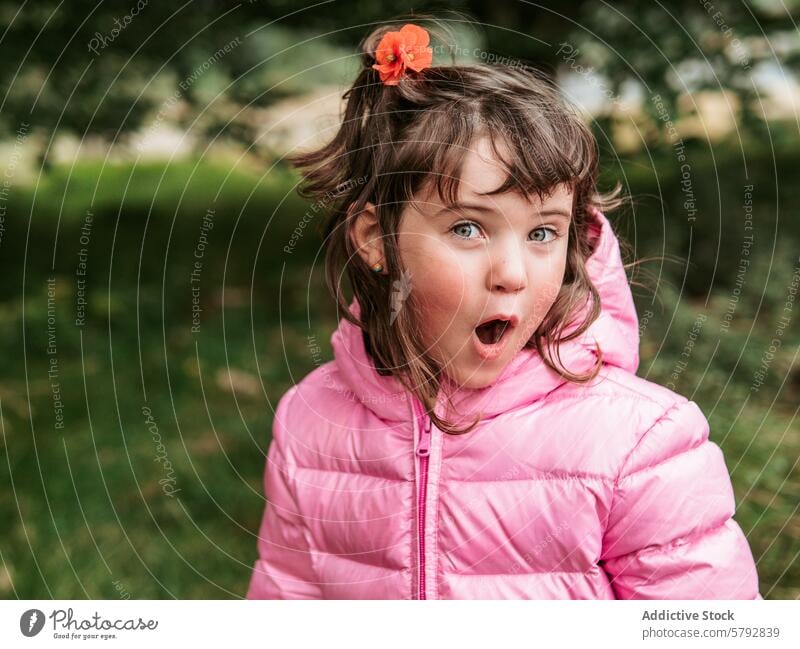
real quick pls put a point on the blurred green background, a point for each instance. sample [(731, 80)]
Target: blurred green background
[(140, 140)]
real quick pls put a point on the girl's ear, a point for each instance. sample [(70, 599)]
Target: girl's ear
[(367, 236)]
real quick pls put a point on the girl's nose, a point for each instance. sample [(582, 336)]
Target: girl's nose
[(507, 270)]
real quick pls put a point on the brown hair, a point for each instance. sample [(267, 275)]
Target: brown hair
[(395, 139)]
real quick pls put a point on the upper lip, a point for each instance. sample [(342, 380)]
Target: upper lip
[(510, 317)]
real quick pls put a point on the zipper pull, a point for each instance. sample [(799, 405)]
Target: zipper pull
[(424, 446)]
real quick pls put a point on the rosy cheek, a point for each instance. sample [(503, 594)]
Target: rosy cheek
[(549, 283), (444, 293), (547, 291), (548, 276), (448, 286), (440, 281)]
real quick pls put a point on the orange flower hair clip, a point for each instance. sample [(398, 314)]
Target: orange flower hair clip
[(397, 51)]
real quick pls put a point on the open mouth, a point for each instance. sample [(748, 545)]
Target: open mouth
[(491, 336), (491, 332)]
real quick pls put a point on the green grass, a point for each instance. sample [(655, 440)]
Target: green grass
[(82, 509)]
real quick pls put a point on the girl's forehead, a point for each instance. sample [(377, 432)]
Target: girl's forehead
[(558, 200), (482, 170), (489, 171), (485, 165)]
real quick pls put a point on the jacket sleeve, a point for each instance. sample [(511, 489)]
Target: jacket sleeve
[(284, 568), (670, 532)]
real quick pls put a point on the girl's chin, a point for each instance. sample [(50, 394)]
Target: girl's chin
[(477, 376)]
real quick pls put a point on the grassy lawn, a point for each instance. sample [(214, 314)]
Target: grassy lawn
[(152, 487)]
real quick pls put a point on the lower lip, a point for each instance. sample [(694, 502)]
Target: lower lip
[(491, 352)]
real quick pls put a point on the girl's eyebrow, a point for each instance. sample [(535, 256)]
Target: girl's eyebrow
[(553, 211), (465, 206)]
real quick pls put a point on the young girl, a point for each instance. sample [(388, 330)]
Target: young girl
[(481, 431)]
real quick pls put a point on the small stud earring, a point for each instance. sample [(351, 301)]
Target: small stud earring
[(377, 267)]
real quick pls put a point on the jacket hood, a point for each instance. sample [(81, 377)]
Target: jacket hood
[(526, 378)]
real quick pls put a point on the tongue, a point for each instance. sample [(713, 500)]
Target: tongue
[(491, 332)]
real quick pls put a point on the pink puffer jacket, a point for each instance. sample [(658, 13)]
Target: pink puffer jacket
[(600, 491)]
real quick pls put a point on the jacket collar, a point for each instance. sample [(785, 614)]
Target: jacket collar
[(526, 378)]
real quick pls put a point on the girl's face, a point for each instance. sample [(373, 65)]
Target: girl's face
[(489, 257)]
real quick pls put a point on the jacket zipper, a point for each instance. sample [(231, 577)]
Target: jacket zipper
[(423, 452)]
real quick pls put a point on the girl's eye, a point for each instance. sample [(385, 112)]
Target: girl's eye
[(470, 230), (463, 230), (545, 230)]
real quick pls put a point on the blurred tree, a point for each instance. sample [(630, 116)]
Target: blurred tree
[(108, 67), (686, 47)]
